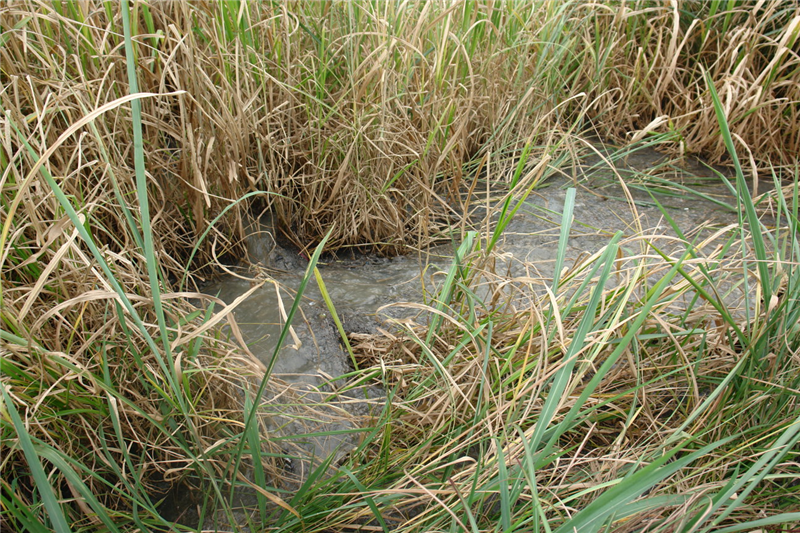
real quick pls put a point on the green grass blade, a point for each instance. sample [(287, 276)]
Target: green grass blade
[(75, 480), (250, 419), (563, 238), (153, 270), (614, 500), (743, 193), (732, 497), (370, 502), (562, 377), (763, 523), (506, 504), (335, 316), (254, 442), (457, 269), (54, 511)]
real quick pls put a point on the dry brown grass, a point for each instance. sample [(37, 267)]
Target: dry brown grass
[(651, 79), (360, 136), (458, 400), (87, 356), (369, 131)]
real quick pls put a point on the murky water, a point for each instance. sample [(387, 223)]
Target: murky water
[(313, 357)]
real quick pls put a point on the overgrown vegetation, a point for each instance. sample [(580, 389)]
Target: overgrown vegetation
[(139, 140)]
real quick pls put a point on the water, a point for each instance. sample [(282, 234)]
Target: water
[(311, 360)]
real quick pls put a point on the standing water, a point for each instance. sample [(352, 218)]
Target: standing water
[(312, 358)]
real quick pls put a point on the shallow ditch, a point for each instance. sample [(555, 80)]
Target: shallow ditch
[(308, 365)]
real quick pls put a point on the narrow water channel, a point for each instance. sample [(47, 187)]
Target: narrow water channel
[(312, 359)]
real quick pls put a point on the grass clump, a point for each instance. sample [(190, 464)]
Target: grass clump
[(651, 59), (569, 405), (362, 116)]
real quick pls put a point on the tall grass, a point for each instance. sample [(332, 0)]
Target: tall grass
[(139, 140), (651, 58), (366, 114), (574, 406)]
